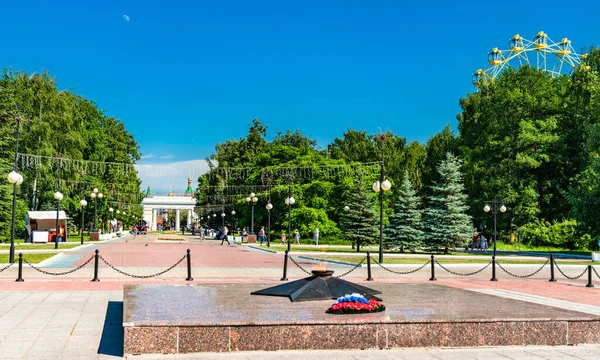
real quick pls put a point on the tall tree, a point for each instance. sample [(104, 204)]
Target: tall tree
[(406, 223), (359, 221), (448, 224)]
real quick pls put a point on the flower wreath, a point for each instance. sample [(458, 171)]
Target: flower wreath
[(355, 304)]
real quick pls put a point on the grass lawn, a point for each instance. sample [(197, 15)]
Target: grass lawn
[(32, 258), (61, 246), (356, 260)]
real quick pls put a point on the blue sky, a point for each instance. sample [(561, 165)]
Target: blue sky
[(185, 75)]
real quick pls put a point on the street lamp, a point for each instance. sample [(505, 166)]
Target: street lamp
[(346, 208), (223, 217), (252, 198), (269, 206), (233, 220), (380, 186), (16, 179), (494, 208), (83, 204), (95, 194), (58, 196), (289, 201)]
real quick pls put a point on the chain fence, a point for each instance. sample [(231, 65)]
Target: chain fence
[(59, 273), (354, 268), (300, 267), (463, 274), (6, 267), (567, 276), (402, 272), (595, 272), (522, 276), (142, 276)]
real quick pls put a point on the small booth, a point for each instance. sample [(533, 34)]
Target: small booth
[(41, 226)]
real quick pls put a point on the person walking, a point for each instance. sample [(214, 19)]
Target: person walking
[(201, 230), (297, 237), (316, 235), (261, 235), (283, 238), (225, 231)]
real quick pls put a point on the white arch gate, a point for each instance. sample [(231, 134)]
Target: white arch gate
[(177, 203)]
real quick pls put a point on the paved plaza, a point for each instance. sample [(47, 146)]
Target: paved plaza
[(70, 317)]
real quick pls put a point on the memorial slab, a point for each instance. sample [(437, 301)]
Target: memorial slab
[(225, 317)]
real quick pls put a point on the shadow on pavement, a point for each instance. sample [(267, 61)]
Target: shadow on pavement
[(111, 342)]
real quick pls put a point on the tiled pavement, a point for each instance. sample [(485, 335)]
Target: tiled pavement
[(69, 317)]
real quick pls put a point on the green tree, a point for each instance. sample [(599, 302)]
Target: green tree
[(406, 224), (359, 220), (448, 224)]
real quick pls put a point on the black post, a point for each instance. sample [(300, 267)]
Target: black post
[(289, 219), (252, 226), (58, 207), (493, 268), (14, 207), (20, 278), (189, 266), (285, 261), (495, 204), (552, 279), (369, 278), (589, 284), (381, 203), (82, 222), (95, 207), (432, 278), (96, 266), (269, 229)]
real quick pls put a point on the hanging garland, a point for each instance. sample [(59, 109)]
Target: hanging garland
[(86, 167)]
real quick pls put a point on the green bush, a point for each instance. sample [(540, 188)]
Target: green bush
[(561, 234)]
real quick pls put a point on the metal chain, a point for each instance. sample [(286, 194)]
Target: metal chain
[(354, 268), (463, 274), (595, 272), (143, 276), (569, 277), (6, 267), (522, 276), (298, 265), (402, 272), (60, 273)]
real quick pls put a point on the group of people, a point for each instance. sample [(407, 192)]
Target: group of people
[(479, 242), (283, 239)]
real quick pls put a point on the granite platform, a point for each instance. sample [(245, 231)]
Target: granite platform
[(222, 318)]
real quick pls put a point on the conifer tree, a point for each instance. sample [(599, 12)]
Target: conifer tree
[(406, 224), (359, 219), (448, 225)]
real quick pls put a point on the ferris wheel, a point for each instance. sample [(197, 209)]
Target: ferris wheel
[(541, 53)]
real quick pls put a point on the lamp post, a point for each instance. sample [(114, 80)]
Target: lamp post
[(380, 186), (289, 201), (117, 218), (223, 217), (95, 194), (233, 220), (83, 204), (58, 196), (16, 179), (497, 204), (252, 199), (269, 206), (110, 210)]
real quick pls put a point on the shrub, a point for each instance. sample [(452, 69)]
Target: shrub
[(562, 234)]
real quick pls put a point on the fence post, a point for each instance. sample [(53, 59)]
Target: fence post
[(493, 269), (589, 284), (20, 278), (552, 279), (432, 269), (189, 266), (369, 278), (96, 266), (285, 261)]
